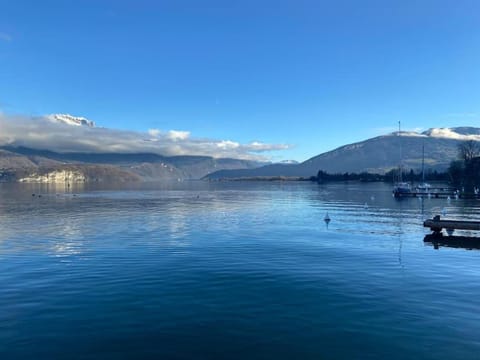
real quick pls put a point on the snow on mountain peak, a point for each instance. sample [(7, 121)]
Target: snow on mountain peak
[(454, 133), (288, 162), (70, 120)]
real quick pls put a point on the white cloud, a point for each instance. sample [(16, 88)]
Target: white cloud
[(258, 146), (227, 144), (5, 37), (392, 129), (450, 134), (154, 132), (171, 134), (41, 133), (178, 135)]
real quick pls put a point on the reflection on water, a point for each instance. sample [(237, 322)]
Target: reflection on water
[(231, 270), (465, 242)]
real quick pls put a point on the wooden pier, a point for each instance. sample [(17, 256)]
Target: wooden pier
[(436, 193), (437, 225)]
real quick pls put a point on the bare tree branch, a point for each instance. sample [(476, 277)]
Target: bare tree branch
[(468, 150)]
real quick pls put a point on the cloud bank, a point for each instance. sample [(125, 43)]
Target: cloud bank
[(45, 134)]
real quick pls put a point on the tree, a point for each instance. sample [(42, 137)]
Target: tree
[(411, 175), (321, 176), (456, 173), (468, 150)]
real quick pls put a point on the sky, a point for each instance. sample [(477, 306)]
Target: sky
[(276, 79)]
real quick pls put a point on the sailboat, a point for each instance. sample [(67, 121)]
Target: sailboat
[(401, 187), (424, 186)]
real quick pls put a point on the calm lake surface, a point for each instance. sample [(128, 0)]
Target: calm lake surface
[(238, 270)]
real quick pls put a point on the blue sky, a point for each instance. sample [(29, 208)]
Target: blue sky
[(312, 74)]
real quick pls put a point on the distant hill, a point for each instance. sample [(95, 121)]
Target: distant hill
[(21, 163), (376, 155)]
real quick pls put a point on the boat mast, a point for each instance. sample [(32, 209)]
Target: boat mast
[(400, 147), (423, 163)]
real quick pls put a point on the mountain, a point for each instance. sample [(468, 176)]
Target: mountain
[(376, 155), (70, 120), (288, 162), (73, 173), (26, 164)]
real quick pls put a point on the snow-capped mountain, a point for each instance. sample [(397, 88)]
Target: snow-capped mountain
[(456, 133), (70, 120), (375, 155)]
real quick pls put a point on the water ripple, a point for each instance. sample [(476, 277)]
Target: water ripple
[(234, 270)]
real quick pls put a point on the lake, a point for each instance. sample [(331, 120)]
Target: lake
[(232, 270)]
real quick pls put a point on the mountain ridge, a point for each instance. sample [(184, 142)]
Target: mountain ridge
[(21, 162), (375, 155)]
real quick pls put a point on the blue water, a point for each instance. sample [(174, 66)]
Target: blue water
[(239, 270)]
